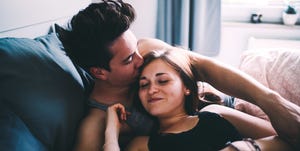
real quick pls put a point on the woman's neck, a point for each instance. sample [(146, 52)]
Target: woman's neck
[(177, 124)]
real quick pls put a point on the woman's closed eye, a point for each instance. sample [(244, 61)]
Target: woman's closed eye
[(146, 84), (162, 82), (143, 84)]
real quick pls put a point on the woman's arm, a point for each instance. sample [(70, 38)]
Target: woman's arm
[(116, 114)]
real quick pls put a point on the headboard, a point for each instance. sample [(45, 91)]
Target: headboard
[(32, 18)]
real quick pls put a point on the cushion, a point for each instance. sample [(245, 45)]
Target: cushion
[(15, 135), (43, 94), (276, 68)]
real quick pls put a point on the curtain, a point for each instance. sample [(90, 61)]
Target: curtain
[(192, 24)]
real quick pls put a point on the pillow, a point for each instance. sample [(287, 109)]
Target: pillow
[(278, 69), (42, 88)]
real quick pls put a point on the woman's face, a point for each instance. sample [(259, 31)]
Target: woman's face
[(161, 91)]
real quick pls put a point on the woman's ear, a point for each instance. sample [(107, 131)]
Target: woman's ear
[(187, 92), (98, 73)]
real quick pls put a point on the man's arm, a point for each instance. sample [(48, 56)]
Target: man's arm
[(284, 115), (272, 143), (250, 127), (138, 143), (91, 132), (247, 125), (146, 45)]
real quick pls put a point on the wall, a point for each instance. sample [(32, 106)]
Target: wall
[(144, 25), (30, 18), (234, 38)]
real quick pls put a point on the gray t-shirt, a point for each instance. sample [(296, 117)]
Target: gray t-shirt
[(140, 123)]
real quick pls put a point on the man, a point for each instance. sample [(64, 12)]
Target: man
[(100, 42)]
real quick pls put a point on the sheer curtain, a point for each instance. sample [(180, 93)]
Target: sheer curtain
[(192, 24)]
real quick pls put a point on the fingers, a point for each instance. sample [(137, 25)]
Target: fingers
[(120, 110)]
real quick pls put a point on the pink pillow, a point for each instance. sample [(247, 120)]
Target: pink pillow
[(278, 69)]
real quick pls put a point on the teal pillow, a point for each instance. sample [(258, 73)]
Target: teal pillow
[(41, 86)]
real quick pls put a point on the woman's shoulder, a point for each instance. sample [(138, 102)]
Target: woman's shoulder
[(217, 109), (212, 116), (209, 118)]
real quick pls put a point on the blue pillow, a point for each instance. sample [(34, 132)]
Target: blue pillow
[(42, 91)]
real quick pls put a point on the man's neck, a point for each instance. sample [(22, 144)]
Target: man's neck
[(110, 94)]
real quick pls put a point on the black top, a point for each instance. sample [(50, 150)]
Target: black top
[(210, 134)]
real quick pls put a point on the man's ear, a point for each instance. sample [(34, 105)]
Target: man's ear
[(98, 73)]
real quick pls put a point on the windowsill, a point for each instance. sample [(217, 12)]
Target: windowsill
[(259, 25), (270, 14)]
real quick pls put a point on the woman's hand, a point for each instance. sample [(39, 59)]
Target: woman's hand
[(116, 115)]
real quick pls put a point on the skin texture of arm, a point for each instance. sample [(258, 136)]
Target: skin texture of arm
[(139, 143), (272, 143), (91, 132), (284, 115), (247, 125)]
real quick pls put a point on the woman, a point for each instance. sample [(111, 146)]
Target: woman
[(168, 92)]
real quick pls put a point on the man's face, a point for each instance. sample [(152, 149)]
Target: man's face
[(126, 60)]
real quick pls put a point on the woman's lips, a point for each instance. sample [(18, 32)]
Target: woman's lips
[(152, 100)]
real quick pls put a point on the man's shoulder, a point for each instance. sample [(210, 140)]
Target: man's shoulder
[(95, 116)]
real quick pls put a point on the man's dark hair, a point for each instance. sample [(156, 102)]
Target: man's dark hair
[(93, 29)]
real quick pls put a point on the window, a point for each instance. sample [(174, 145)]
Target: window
[(241, 10)]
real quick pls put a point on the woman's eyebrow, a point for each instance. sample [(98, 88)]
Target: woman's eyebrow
[(159, 74)]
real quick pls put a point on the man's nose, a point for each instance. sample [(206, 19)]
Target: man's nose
[(140, 60)]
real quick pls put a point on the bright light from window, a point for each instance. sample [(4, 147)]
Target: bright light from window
[(241, 10), (262, 2), (246, 2)]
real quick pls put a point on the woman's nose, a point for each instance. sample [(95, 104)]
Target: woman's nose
[(152, 89)]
